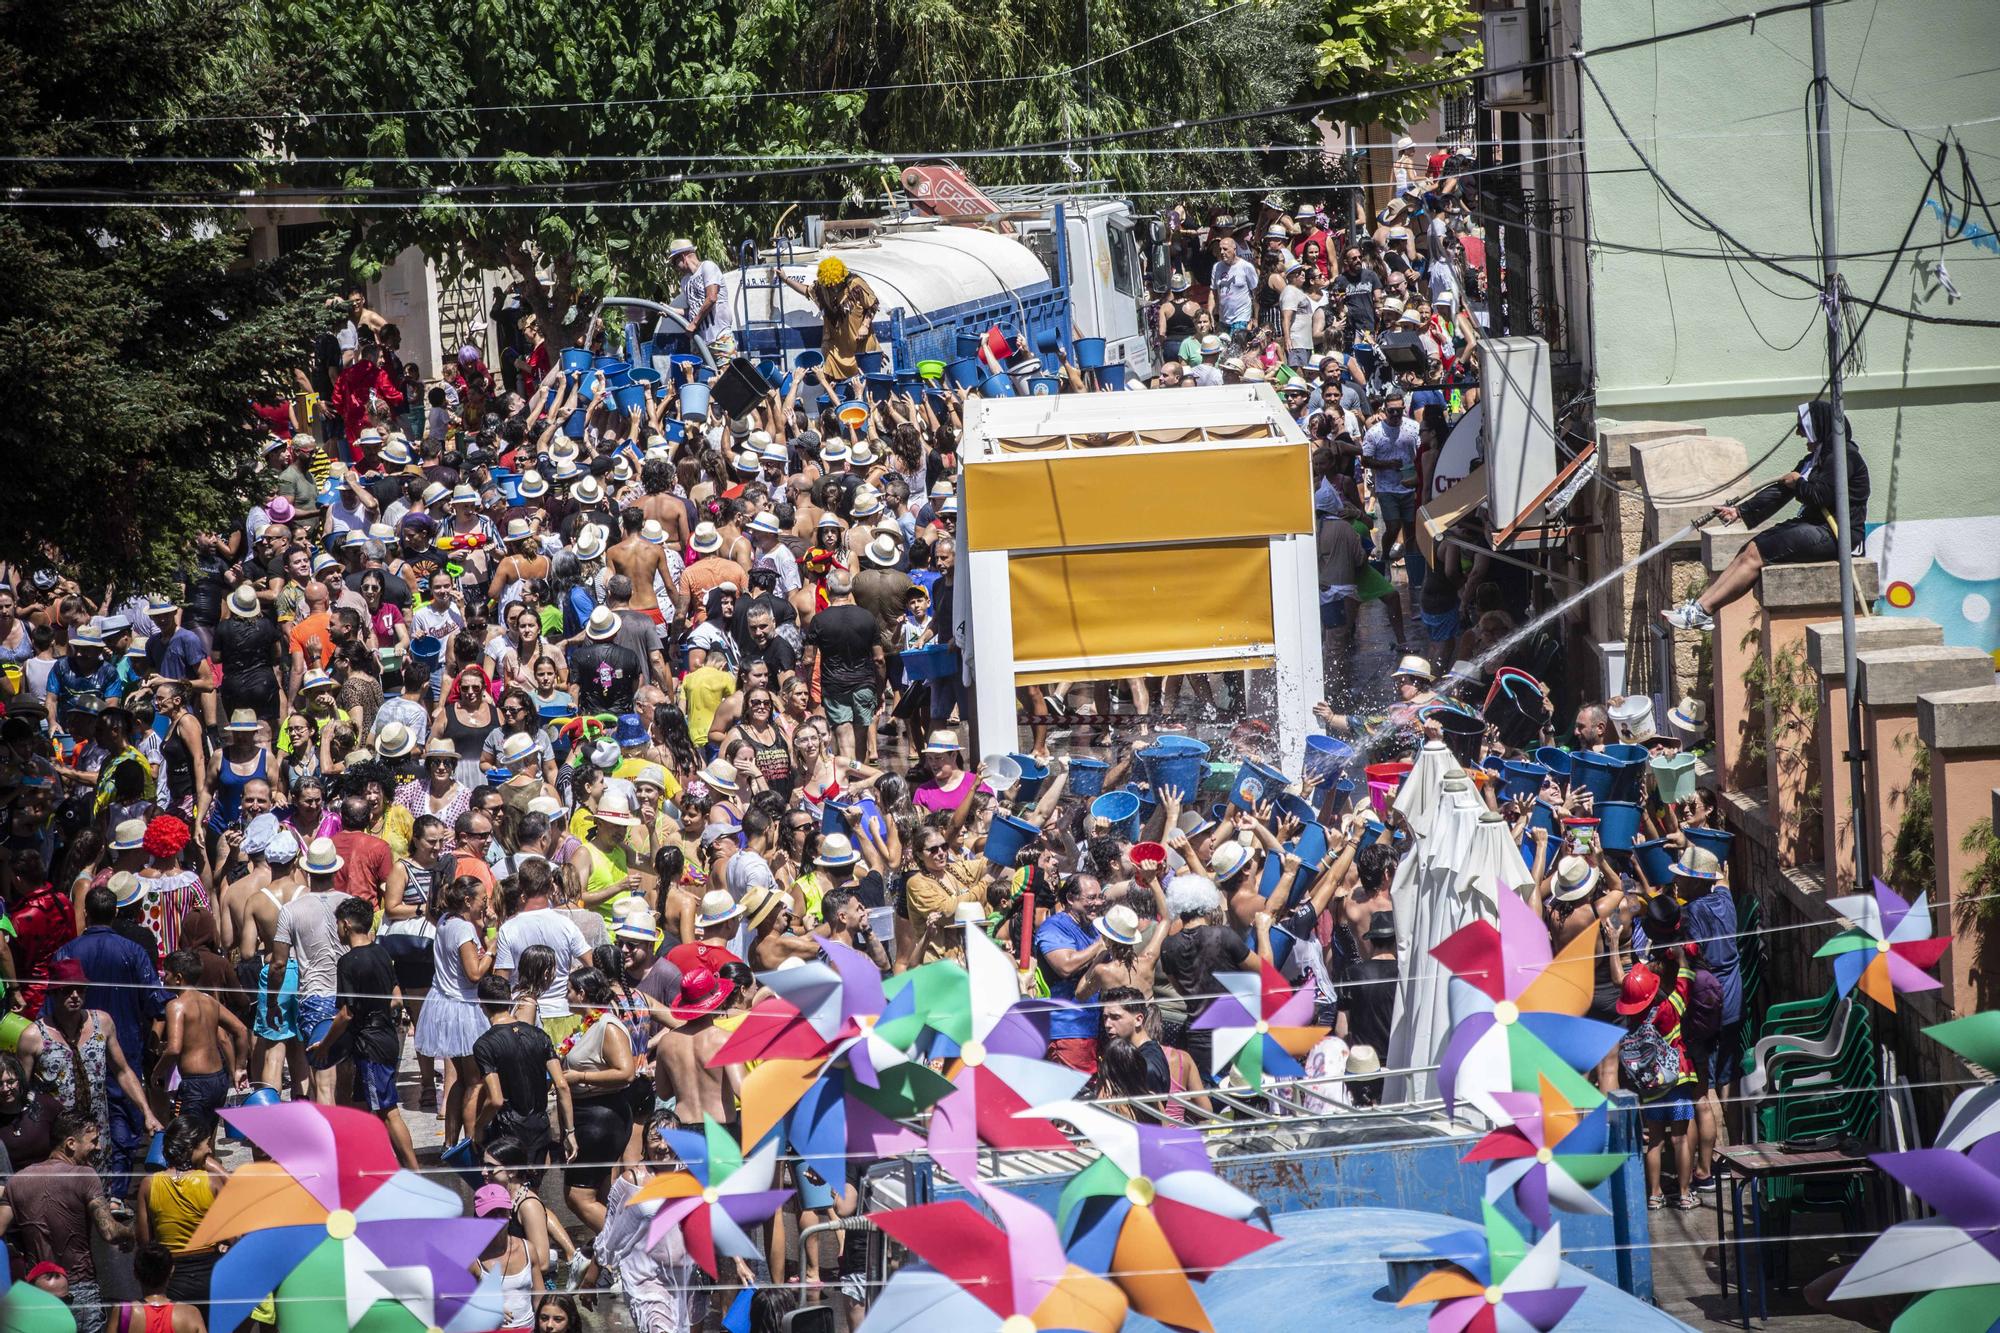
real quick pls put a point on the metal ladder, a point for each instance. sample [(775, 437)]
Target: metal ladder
[(783, 253)]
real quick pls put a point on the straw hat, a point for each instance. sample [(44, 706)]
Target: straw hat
[(129, 888), (1575, 878), (437, 747), (242, 719), (1415, 664), (435, 494), (651, 775), (717, 907), (679, 246), (942, 741), (129, 836), (533, 485), (968, 914), (836, 849), (323, 858), (587, 492), (1698, 863), (519, 530), (243, 602), (397, 452), (882, 551), (603, 624), (652, 532), (1363, 1060), (862, 454), (394, 741), (720, 775), (636, 925), (767, 523), (590, 542), (1120, 925), (834, 451), (867, 502), (1228, 861), (614, 808), (1690, 718), (760, 903), (516, 748), (707, 540)]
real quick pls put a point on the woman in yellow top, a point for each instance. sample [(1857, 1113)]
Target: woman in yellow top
[(173, 1201), (847, 306), (607, 862)]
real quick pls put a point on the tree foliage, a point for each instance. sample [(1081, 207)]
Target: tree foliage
[(131, 333), (1383, 44)]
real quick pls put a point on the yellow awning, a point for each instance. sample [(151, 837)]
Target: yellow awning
[(1189, 668), (1120, 497), (1211, 602)]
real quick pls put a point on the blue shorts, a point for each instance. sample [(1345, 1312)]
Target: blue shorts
[(315, 1016), (288, 1004), (375, 1085), (1396, 506), (1333, 614), (1443, 628), (1670, 1108)]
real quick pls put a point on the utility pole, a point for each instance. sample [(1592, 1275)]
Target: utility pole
[(1856, 756)]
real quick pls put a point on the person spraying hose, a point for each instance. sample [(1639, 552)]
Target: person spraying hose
[(1809, 537)]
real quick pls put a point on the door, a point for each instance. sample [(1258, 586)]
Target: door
[(1124, 301)]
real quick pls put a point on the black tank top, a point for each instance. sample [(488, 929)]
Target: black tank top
[(1179, 322)]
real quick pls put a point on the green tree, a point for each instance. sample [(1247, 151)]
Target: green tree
[(1383, 44), (131, 332)]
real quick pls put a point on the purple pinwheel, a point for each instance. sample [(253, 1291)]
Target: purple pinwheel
[(1954, 1256), (717, 1194), (1888, 947), (1500, 1285), (1262, 1026), (1517, 1012)]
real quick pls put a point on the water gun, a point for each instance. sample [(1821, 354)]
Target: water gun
[(462, 541), (586, 728)]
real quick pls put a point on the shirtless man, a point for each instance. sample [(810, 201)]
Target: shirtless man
[(242, 854), (205, 1042), (769, 912), (275, 1048), (682, 1054), (639, 560), (661, 504)]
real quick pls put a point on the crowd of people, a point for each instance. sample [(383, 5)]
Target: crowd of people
[(475, 779)]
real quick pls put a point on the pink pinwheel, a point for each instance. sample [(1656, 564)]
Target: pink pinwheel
[(1014, 1270), (1887, 948), (1529, 1158), (335, 1226), (1509, 1288), (1954, 1256), (818, 1004), (1262, 1026), (999, 1038), (1151, 1213), (1517, 1012), (717, 1194)]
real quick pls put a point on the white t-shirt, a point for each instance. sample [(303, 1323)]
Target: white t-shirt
[(543, 925), (1235, 288), (1297, 307)]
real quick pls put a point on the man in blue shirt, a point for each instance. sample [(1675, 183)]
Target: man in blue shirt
[(1067, 945), (125, 984), (85, 670), (174, 652)]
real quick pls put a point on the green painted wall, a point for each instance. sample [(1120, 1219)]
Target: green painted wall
[(1723, 117)]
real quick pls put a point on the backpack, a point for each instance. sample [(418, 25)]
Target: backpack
[(1703, 1019), (1648, 1060)]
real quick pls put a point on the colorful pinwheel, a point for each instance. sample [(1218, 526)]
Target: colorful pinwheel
[(1517, 1012), (1260, 1027), (1014, 1269), (1887, 949), (819, 1004), (1503, 1287), (334, 1227), (1529, 1158), (1954, 1257), (1974, 1113), (1151, 1213), (718, 1192), (999, 1038)]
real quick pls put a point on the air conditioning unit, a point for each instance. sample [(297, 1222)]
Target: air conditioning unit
[(1512, 37)]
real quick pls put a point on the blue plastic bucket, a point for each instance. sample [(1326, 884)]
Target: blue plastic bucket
[(965, 373), (1148, 803), (1033, 774), (629, 397), (1596, 773), (933, 661), (968, 342), (1089, 353), (1520, 780), (576, 360), (997, 386), (1716, 840), (1325, 756), (1542, 815), (1049, 338), (808, 359), (1121, 809), (674, 429), (573, 425), (1173, 761), (616, 373), (881, 387), (1007, 838), (1086, 776), (1557, 760), (1631, 754), (1656, 861), (1255, 782), (872, 363), (1343, 794), (1628, 781), (1111, 378), (694, 400), (647, 376), (1292, 806), (1043, 386), (1617, 825)]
